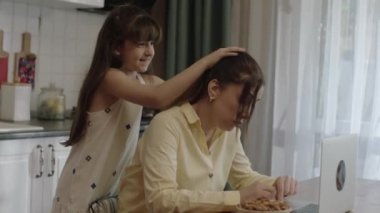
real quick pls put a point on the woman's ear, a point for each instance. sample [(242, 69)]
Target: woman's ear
[(213, 90)]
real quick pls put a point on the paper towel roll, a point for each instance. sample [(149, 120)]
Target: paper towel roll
[(15, 101)]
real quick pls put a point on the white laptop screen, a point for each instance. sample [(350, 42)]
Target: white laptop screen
[(337, 179)]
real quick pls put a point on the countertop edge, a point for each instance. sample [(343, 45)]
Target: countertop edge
[(59, 128), (33, 134)]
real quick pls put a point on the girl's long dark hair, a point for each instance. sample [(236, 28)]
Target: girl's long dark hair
[(240, 69), (126, 22)]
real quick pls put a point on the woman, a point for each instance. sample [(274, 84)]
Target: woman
[(190, 152)]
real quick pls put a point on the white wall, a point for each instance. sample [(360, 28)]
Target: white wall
[(62, 39)]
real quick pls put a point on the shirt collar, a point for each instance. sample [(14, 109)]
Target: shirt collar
[(190, 114), (192, 117)]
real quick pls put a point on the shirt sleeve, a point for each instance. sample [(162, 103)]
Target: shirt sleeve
[(159, 162), (241, 173)]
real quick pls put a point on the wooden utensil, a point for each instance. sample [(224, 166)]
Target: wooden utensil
[(3, 61), (25, 62)]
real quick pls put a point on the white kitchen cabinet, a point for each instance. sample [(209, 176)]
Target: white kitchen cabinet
[(29, 171)]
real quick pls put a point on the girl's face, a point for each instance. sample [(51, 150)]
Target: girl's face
[(136, 56), (227, 104)]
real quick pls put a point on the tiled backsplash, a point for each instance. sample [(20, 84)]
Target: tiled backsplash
[(62, 39)]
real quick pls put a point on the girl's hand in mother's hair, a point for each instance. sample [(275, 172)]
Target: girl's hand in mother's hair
[(212, 58)]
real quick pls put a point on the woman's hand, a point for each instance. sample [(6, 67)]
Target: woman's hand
[(256, 191), (212, 58), (285, 186)]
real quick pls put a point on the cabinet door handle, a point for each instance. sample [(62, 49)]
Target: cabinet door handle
[(41, 161), (52, 160)]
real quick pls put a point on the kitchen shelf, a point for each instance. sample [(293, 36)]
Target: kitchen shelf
[(64, 3), (47, 129), (7, 127)]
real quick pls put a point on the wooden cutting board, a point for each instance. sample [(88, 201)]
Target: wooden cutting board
[(25, 62), (3, 61)]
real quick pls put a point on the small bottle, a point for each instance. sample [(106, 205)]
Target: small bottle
[(51, 103)]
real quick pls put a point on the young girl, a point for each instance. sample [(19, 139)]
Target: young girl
[(189, 152), (106, 127)]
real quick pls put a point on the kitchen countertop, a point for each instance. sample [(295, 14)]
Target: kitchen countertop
[(56, 128)]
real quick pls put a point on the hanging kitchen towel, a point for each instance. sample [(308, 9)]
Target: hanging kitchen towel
[(3, 61), (25, 63)]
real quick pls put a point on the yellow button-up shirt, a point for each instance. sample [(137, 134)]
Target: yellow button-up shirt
[(174, 170)]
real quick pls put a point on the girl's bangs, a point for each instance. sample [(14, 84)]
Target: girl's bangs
[(145, 29)]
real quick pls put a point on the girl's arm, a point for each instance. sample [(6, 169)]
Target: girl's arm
[(117, 84), (152, 79)]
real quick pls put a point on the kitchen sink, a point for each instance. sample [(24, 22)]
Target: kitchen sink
[(6, 127)]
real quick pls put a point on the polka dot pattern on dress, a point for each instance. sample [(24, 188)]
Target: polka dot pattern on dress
[(93, 185)]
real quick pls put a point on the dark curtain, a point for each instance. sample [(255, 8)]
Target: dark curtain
[(194, 29)]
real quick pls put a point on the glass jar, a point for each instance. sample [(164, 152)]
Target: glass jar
[(51, 103)]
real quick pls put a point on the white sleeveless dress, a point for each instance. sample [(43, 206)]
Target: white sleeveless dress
[(94, 166)]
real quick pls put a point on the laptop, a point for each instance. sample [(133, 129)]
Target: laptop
[(337, 179)]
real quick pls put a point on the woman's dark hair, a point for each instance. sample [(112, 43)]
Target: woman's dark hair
[(126, 22), (240, 69)]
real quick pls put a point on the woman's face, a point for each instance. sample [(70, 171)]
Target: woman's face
[(137, 56), (227, 104)]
